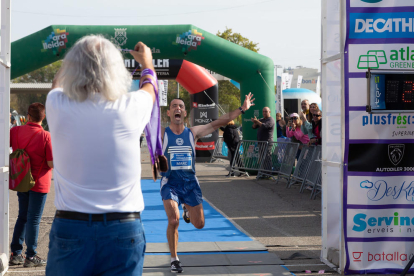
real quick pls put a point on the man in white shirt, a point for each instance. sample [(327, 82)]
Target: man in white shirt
[(95, 127)]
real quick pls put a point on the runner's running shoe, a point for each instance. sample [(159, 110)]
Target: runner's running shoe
[(186, 215), (176, 267)]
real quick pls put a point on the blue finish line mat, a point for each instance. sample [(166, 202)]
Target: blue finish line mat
[(217, 228)]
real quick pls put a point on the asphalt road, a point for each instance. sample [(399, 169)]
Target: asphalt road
[(287, 222)]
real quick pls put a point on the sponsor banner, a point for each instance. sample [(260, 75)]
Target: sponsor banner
[(299, 81), (358, 92), (379, 255), (163, 91), (377, 37), (363, 125), (381, 190), (285, 81), (55, 42), (381, 157), (189, 40), (380, 223), (381, 3), (374, 56), (381, 25), (205, 145), (165, 68)]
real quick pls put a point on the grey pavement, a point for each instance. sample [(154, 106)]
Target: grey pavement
[(287, 222)]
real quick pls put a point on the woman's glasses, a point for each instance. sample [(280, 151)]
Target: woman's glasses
[(317, 115), (295, 118)]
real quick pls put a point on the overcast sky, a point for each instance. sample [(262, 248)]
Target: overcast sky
[(288, 31)]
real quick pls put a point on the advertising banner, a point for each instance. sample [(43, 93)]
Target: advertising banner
[(299, 81), (163, 91), (379, 172)]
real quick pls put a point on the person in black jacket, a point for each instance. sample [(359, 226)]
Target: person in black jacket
[(231, 138)]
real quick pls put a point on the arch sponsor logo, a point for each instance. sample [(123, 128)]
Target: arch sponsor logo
[(120, 37), (55, 42), (189, 40), (381, 25)]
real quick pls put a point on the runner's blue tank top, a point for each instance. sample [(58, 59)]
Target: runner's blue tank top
[(180, 152)]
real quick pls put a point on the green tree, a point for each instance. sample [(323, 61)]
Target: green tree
[(238, 39), (229, 95), (21, 102)]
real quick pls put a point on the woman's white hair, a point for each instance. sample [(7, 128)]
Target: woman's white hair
[(94, 65)]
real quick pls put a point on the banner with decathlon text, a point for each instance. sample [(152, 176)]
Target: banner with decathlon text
[(379, 172)]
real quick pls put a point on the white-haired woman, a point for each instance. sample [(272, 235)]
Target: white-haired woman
[(95, 127)]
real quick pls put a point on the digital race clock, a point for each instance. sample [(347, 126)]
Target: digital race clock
[(390, 91)]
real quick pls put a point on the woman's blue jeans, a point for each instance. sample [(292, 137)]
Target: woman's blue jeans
[(80, 248), (31, 206)]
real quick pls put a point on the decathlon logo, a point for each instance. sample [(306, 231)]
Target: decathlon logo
[(179, 141), (56, 41), (381, 25), (120, 37), (189, 40)]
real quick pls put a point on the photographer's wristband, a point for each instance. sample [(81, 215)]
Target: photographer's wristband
[(241, 109)]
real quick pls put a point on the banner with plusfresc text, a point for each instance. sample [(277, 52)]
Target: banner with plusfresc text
[(379, 147)]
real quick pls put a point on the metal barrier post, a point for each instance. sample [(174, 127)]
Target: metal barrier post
[(302, 166), (218, 154), (280, 158), (315, 169), (249, 155)]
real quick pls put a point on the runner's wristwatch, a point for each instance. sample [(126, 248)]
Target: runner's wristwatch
[(241, 109)]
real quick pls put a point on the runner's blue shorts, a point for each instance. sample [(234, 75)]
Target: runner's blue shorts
[(182, 191)]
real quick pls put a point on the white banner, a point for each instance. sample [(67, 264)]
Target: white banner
[(385, 56), (379, 255), (279, 96), (285, 81), (299, 81), (289, 84), (381, 190), (163, 91), (358, 89), (380, 223), (363, 125)]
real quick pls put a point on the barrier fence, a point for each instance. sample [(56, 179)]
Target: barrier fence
[(220, 151), (277, 160)]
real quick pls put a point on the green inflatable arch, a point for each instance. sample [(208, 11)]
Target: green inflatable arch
[(170, 41)]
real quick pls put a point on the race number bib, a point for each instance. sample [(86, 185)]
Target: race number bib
[(180, 158), (181, 161)]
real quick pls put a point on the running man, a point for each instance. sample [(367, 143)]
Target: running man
[(179, 185)]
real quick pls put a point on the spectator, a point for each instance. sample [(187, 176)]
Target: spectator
[(306, 117), (231, 138), (95, 127), (265, 125), (316, 128), (141, 138), (313, 107), (294, 132), (13, 122), (37, 144), (280, 124)]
